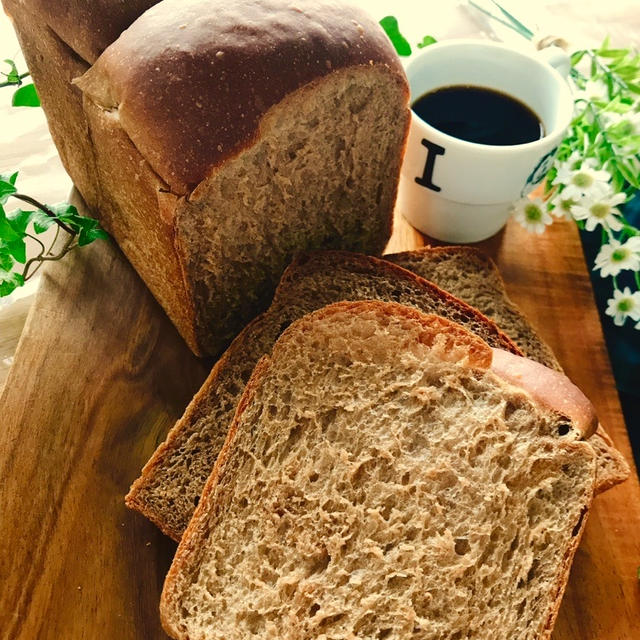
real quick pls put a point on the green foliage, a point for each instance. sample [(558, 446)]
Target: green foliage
[(606, 127), (391, 28), (26, 96), (21, 226), (426, 41)]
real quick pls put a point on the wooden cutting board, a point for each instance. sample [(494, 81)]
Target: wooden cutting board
[(99, 377)]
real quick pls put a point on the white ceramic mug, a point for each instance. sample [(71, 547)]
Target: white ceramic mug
[(459, 191)]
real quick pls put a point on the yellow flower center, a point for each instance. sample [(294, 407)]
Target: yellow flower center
[(625, 305), (619, 255), (583, 180), (600, 210), (533, 213)]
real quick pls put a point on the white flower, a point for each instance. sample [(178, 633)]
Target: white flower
[(600, 209), (562, 207), (564, 170), (583, 181), (615, 257), (532, 214), (593, 90), (626, 124), (623, 305)]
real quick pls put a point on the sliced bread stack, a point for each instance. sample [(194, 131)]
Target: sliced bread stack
[(170, 486), (381, 479)]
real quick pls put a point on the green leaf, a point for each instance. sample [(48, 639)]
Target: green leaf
[(7, 234), (87, 228), (19, 220), (16, 248), (391, 28), (13, 76), (65, 212), (628, 175), (576, 56), (41, 221), (26, 96), (613, 53), (6, 261), (426, 41), (7, 188), (9, 281), (88, 236)]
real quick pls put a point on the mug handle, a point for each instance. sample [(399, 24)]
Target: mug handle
[(557, 58)]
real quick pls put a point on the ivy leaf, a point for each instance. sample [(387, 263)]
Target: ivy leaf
[(17, 249), (89, 231), (19, 220), (6, 261), (7, 187), (9, 281), (7, 234), (13, 77), (41, 221), (391, 28), (65, 212), (26, 96), (426, 41)]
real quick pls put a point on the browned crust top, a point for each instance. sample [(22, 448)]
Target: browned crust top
[(192, 79), (87, 26)]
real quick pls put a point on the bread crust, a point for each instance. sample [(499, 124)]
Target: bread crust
[(178, 58), (548, 387)]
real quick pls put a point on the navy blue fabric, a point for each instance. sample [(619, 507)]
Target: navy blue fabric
[(623, 342)]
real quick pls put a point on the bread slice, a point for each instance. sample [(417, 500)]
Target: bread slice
[(379, 482), (473, 277), (170, 485), (470, 275)]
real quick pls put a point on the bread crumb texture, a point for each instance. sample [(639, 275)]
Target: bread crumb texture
[(377, 486)]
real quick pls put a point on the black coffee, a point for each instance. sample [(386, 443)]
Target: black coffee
[(478, 114)]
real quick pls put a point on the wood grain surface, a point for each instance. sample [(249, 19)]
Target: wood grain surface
[(100, 375)]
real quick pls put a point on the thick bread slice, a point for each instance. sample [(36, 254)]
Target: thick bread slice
[(379, 482), (473, 277), (170, 485)]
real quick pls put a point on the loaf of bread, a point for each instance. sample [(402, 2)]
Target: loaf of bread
[(379, 480), (171, 482), (215, 140), (170, 485)]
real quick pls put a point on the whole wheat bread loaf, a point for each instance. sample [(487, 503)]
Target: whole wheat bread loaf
[(170, 485), (214, 140), (473, 277), (379, 481)]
